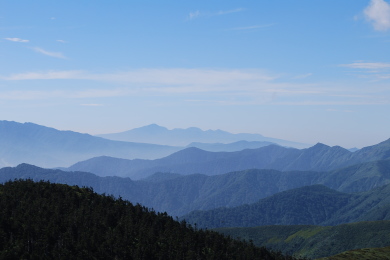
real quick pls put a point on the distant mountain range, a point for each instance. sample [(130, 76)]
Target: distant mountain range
[(309, 205), (179, 194), (230, 147), (182, 137), (48, 147), (319, 157)]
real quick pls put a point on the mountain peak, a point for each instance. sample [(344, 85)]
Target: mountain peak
[(319, 146), (152, 128)]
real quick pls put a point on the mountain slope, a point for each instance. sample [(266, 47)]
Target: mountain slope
[(316, 241), (310, 205), (181, 137), (230, 147), (362, 254), (179, 194), (43, 220), (48, 147), (319, 157)]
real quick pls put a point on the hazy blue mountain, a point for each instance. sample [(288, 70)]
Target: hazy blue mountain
[(48, 147), (179, 194), (181, 137), (319, 241), (309, 205), (319, 157), (231, 147)]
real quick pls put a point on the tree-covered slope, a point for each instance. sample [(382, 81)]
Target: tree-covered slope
[(380, 253), (53, 221), (316, 241), (310, 205), (319, 157), (180, 194)]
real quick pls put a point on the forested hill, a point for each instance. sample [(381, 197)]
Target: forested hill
[(319, 241), (56, 221), (309, 205), (178, 194)]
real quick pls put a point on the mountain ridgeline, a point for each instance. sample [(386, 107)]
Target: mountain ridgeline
[(319, 157), (53, 221), (181, 137), (309, 205), (48, 147), (179, 194)]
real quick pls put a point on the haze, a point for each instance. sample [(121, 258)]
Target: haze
[(304, 71)]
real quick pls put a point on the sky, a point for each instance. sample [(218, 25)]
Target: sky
[(305, 71)]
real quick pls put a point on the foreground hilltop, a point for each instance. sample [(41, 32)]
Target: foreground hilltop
[(67, 222)]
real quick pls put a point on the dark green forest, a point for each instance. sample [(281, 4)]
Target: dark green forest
[(309, 205), (41, 220), (316, 241)]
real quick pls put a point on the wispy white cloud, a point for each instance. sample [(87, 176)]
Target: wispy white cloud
[(303, 76), (197, 13), (58, 55), (91, 105), (367, 65), (16, 40), (338, 110), (253, 27), (230, 11), (155, 76), (193, 15), (61, 41), (224, 86), (70, 74), (378, 14), (53, 94), (370, 70)]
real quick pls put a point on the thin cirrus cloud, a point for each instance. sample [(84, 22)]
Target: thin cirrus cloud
[(197, 13), (91, 105), (378, 14), (150, 77), (16, 40), (228, 86), (370, 70), (53, 94), (253, 27), (367, 65), (57, 55)]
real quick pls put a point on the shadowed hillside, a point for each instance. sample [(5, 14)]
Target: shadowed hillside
[(179, 194), (309, 205), (61, 222)]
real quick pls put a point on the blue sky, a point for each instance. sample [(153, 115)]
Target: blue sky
[(306, 71)]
